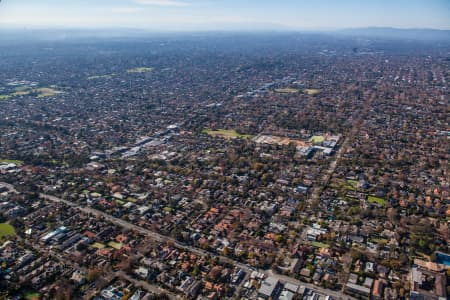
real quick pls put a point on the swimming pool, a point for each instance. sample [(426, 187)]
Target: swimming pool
[(443, 258)]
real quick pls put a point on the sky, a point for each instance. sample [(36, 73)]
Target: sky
[(179, 15)]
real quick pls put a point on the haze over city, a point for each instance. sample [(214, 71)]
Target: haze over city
[(204, 15)]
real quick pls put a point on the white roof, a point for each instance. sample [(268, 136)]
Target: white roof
[(143, 209), (286, 295), (128, 204)]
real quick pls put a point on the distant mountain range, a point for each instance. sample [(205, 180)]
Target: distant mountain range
[(397, 33), (388, 33)]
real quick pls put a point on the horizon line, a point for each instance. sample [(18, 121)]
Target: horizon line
[(262, 29), (246, 30)]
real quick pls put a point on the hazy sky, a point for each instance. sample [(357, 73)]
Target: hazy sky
[(225, 14)]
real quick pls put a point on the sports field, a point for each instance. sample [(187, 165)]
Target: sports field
[(311, 92), (287, 91), (140, 70), (6, 230), (228, 134)]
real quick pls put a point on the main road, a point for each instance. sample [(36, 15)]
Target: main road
[(162, 239), (148, 233), (318, 190)]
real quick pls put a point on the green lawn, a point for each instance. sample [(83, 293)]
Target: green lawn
[(22, 91), (311, 92), (131, 199), (168, 209), (99, 77), (351, 185), (120, 202), (317, 139), (140, 70), (379, 241), (98, 245), (4, 97), (354, 183), (115, 245), (319, 245), (373, 199), (46, 92), (32, 295), (228, 134), (41, 92), (287, 91), (6, 230), (11, 161)]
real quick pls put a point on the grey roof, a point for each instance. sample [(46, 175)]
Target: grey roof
[(291, 287), (358, 288), (268, 286)]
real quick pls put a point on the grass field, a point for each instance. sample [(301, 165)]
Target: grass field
[(32, 295), (41, 92), (115, 245), (379, 241), (287, 91), (4, 97), (6, 230), (99, 77), (22, 91), (317, 139), (319, 245), (311, 92), (227, 134), (373, 199), (131, 199), (351, 185), (46, 92), (11, 161), (98, 245), (140, 70)]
